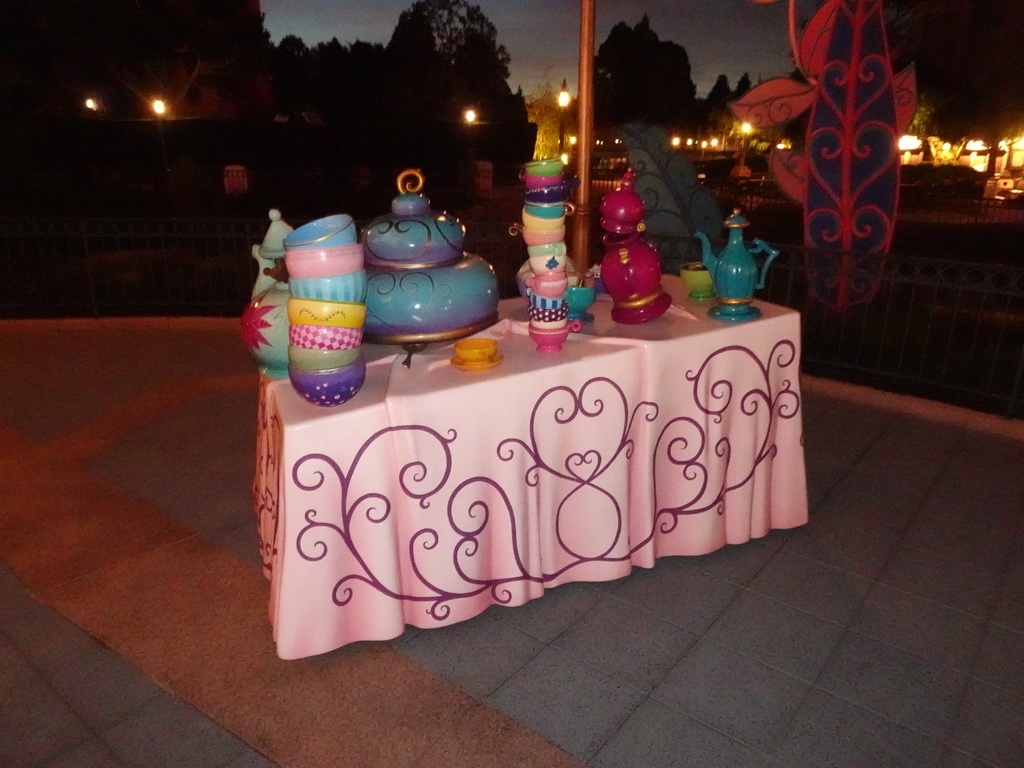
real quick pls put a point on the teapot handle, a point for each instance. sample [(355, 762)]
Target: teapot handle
[(760, 246)]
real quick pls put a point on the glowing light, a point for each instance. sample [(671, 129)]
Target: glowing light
[(746, 128), (689, 142), (159, 106), (469, 116), (572, 141), (676, 141), (564, 97), (946, 146), (704, 145), (91, 105), (714, 142), (910, 143), (565, 158), (976, 145)]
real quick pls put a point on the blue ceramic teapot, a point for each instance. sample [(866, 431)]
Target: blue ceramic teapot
[(421, 287), (735, 272)]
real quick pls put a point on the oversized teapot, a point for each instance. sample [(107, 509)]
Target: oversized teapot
[(735, 272), (265, 319), (631, 267), (421, 286)]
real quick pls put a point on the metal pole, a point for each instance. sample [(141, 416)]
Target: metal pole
[(585, 120)]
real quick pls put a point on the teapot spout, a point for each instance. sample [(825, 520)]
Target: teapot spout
[(707, 258)]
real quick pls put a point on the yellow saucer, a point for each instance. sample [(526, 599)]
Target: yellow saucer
[(481, 365)]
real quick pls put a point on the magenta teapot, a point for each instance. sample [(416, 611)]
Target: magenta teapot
[(631, 267)]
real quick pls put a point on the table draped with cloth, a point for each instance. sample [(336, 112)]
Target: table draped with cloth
[(435, 492)]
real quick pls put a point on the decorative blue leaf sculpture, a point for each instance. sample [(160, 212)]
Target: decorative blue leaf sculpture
[(676, 204)]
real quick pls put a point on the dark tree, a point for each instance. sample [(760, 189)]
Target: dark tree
[(203, 59), (418, 77), (640, 77), (293, 76), (713, 109), (742, 86), (444, 56)]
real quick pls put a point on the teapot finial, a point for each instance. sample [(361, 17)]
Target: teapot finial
[(737, 220), (411, 180), (273, 242)]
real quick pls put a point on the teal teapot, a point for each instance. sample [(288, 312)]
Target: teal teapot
[(735, 272)]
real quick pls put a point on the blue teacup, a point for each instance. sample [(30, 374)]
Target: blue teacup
[(328, 232), (544, 302), (348, 287), (579, 298), (548, 210)]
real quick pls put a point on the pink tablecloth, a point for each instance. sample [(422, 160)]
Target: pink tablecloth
[(436, 493)]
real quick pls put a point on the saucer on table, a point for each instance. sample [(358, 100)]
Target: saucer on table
[(477, 365)]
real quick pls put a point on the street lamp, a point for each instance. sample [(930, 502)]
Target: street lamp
[(563, 102), (470, 118), (741, 170), (159, 107)]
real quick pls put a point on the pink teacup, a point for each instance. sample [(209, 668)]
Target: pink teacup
[(551, 285), (533, 181)]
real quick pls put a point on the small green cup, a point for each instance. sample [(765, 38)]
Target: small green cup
[(698, 280)]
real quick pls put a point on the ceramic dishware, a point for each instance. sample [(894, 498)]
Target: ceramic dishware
[(698, 280), (345, 287), (475, 350), (540, 224), (324, 336), (550, 285), (549, 210), (547, 166), (309, 263), (321, 359), (542, 316), (532, 181), (546, 256), (533, 237), (328, 232), (344, 314), (544, 302), (578, 299), (550, 337), (552, 193), (332, 386)]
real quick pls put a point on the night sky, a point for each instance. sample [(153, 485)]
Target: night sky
[(542, 36)]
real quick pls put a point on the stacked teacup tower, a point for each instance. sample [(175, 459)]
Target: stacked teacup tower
[(326, 310), (543, 231)]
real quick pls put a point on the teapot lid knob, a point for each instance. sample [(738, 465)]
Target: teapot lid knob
[(273, 242), (410, 202), (410, 180), (737, 219)]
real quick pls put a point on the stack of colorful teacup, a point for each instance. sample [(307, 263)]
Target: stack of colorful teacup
[(326, 310), (547, 193)]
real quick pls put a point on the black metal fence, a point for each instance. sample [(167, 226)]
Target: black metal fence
[(948, 330), (93, 267)]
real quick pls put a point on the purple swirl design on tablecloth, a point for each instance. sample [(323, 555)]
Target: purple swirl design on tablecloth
[(683, 442), (481, 514), (264, 489)]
